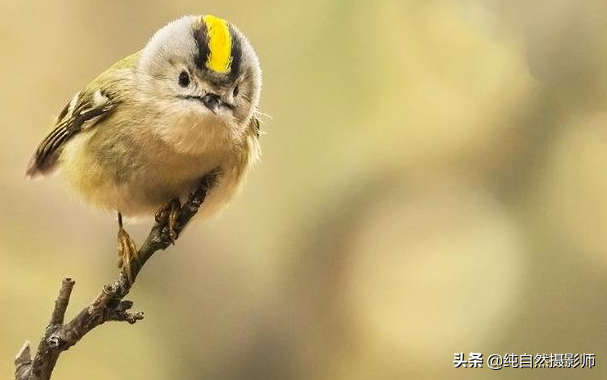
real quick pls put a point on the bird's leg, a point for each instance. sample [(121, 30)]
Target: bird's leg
[(127, 251), (169, 215)]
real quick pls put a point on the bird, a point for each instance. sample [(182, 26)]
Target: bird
[(141, 135)]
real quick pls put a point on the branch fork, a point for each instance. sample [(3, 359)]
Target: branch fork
[(110, 304)]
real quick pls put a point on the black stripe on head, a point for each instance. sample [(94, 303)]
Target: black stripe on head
[(202, 42), (236, 53)]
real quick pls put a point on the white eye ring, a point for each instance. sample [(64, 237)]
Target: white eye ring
[(235, 91)]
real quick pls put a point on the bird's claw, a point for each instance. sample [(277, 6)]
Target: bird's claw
[(127, 253), (168, 216)]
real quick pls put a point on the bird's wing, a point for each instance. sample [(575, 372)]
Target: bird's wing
[(83, 112), (255, 125), (80, 114)]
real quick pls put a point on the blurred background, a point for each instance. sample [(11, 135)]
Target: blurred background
[(433, 181)]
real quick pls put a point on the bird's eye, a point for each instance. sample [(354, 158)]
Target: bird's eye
[(184, 79), (235, 91)]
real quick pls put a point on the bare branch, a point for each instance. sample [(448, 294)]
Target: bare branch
[(62, 301), (109, 304), (23, 362)]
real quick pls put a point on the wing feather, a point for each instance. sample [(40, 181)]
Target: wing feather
[(84, 111), (48, 151), (255, 124)]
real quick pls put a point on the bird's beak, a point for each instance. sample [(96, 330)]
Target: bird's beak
[(212, 102)]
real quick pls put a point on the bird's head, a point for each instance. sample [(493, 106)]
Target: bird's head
[(203, 70)]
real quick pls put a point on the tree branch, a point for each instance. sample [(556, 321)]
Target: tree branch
[(109, 304)]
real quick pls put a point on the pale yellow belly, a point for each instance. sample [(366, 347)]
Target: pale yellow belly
[(147, 184)]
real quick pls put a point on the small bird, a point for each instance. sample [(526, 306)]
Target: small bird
[(141, 135)]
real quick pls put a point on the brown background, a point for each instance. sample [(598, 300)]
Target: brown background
[(433, 181)]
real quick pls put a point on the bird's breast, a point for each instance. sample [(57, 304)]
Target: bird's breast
[(138, 176)]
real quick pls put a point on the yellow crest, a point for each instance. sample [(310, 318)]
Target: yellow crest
[(220, 44)]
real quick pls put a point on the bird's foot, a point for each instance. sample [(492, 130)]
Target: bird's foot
[(127, 253), (168, 215)]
